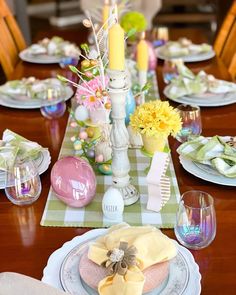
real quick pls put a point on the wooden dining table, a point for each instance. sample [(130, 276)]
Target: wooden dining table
[(25, 245)]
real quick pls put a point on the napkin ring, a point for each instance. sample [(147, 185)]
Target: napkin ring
[(120, 259)]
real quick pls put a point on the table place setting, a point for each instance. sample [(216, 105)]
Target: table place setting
[(32, 93), (13, 148), (210, 158), (77, 267), (184, 48), (49, 51), (201, 89)]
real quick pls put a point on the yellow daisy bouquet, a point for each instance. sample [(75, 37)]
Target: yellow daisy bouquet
[(156, 118)]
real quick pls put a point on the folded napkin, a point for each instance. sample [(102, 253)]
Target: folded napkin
[(212, 151), (183, 47), (34, 88), (13, 145), (147, 243), (14, 283), (56, 46), (188, 84)]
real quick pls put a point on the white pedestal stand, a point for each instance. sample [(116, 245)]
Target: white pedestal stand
[(120, 137)]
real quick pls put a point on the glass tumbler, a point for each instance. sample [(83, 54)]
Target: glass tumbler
[(196, 221), (23, 185), (191, 122), (53, 104)]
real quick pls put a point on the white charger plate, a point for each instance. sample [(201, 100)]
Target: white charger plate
[(205, 99), (11, 101), (205, 172), (42, 162), (25, 55), (187, 58), (59, 259)]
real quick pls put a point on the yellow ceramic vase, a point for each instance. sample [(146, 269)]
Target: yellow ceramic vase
[(153, 144)]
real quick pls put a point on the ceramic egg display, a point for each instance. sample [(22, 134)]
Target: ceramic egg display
[(81, 113), (112, 204), (74, 181)]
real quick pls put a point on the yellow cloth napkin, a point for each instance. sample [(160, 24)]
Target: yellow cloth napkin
[(152, 247)]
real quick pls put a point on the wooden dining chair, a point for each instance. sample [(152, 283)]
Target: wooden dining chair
[(225, 43), (11, 40)]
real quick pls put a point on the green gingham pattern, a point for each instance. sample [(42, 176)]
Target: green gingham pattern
[(56, 213)]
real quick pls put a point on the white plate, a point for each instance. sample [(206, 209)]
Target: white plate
[(11, 101), (205, 172), (25, 55), (206, 99), (42, 162), (188, 58), (58, 260)]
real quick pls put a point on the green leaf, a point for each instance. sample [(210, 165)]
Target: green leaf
[(146, 87), (131, 32), (85, 47), (61, 78), (73, 69)]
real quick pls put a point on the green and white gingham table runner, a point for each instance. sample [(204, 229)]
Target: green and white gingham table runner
[(56, 213)]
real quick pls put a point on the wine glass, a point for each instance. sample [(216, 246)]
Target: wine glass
[(196, 221), (191, 122), (53, 104), (23, 185), (169, 71)]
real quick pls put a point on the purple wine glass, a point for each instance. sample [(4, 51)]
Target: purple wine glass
[(196, 221)]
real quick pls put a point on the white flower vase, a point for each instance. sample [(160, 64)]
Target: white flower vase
[(100, 115)]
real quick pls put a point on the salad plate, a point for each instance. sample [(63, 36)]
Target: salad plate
[(185, 50), (62, 269), (49, 51), (204, 99), (205, 172), (31, 93)]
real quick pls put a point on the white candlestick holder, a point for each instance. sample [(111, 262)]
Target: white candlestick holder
[(120, 138)]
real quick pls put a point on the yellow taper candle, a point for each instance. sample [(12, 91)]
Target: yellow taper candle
[(105, 13), (142, 55), (116, 46)]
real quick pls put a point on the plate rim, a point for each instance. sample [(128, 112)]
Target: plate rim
[(26, 56), (189, 166), (69, 94), (188, 58), (182, 100)]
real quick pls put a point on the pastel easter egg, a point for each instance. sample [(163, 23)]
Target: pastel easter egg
[(90, 153), (81, 113), (113, 204), (90, 132), (99, 158), (74, 182), (83, 135)]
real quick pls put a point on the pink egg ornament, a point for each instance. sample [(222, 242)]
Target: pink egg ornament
[(74, 181)]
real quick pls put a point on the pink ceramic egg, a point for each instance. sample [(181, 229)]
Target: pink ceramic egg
[(74, 181)]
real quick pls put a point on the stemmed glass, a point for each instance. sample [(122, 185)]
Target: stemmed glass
[(191, 122), (23, 185), (196, 221)]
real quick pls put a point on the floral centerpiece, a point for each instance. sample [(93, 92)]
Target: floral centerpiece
[(155, 121)]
